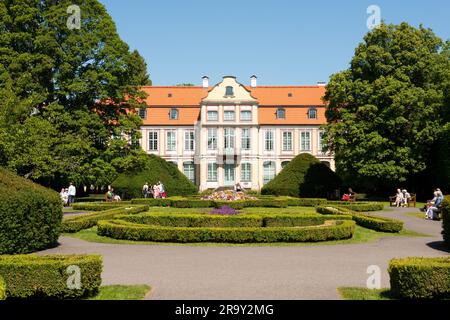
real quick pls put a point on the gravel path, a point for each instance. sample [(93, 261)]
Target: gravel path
[(296, 272)]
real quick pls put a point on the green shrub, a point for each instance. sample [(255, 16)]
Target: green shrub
[(153, 202), (420, 278), (446, 220), (129, 184), (98, 206), (119, 229), (30, 215), (299, 220), (76, 223), (304, 176), (32, 276), (2, 289), (360, 206), (367, 221), (191, 203)]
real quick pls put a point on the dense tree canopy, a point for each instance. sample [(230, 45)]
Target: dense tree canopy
[(388, 112), (64, 92)]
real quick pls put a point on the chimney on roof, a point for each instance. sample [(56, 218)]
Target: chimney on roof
[(253, 82), (205, 82), (321, 84)]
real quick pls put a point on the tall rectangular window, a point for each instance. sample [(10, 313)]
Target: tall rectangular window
[(268, 171), (189, 170), (287, 140), (305, 141), (189, 141), (268, 140), (228, 138), (212, 115), (246, 172), (321, 142), (228, 116), (246, 115), (245, 139), (212, 138), (212, 172), (153, 140), (171, 140), (143, 113)]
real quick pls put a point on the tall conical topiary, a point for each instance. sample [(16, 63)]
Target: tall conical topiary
[(129, 184), (304, 176)]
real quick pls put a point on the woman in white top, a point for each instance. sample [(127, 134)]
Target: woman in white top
[(399, 198)]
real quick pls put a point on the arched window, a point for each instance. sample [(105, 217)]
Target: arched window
[(312, 113), (229, 91), (281, 113), (284, 164), (268, 171)]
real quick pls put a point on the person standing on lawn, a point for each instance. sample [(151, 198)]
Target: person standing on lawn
[(72, 193), (145, 190)]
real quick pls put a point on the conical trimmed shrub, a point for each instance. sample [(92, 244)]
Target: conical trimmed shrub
[(305, 176), (129, 184)]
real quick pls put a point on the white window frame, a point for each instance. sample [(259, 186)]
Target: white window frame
[(189, 140), (190, 174), (153, 141), (209, 113), (269, 141), (246, 140), (212, 139), (303, 143), (287, 144), (315, 112), (173, 142), (211, 172), (228, 138), (228, 112), (247, 118), (269, 175), (246, 172), (174, 111)]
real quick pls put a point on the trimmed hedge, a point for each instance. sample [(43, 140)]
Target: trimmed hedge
[(177, 202), (217, 221), (304, 176), (420, 278), (76, 223), (119, 229), (129, 184), (30, 215), (2, 289), (32, 276), (98, 206), (364, 220), (446, 220)]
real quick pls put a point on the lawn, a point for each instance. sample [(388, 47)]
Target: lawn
[(361, 235), (353, 293), (122, 292)]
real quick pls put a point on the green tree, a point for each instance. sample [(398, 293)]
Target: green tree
[(65, 92), (386, 112)]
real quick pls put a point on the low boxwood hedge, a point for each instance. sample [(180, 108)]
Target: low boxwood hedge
[(218, 221), (98, 206), (2, 289), (120, 229), (44, 277), (446, 220), (420, 278), (364, 220), (198, 203), (76, 223)]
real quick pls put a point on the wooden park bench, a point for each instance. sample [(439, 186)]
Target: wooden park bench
[(353, 197), (411, 200)]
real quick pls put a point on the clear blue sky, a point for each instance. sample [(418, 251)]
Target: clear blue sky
[(283, 42)]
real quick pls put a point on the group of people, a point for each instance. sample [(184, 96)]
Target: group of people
[(402, 197), (433, 206), (156, 191), (68, 195), (111, 196)]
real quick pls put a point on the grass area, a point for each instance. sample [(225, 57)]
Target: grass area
[(122, 292), (361, 235), (353, 293)]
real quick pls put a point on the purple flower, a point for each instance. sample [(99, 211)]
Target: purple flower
[(225, 210)]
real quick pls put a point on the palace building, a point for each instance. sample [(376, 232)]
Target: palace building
[(228, 133)]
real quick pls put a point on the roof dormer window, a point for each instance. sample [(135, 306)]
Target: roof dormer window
[(229, 92), (173, 114), (281, 113), (312, 113)]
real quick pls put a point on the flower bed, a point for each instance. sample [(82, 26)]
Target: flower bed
[(228, 195)]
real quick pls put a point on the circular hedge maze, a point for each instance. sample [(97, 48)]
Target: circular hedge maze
[(245, 228)]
